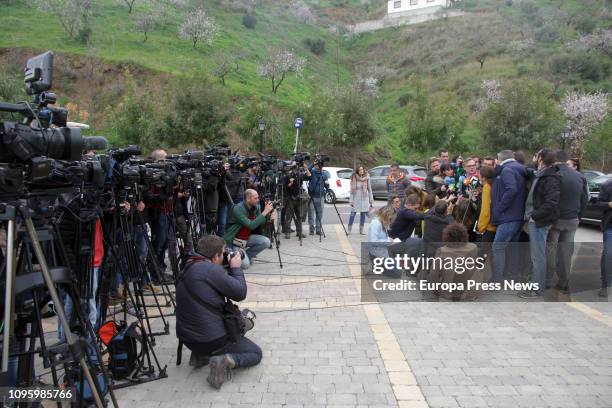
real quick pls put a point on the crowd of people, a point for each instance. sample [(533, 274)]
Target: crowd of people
[(497, 201)]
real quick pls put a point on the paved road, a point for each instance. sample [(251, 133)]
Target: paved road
[(323, 347)]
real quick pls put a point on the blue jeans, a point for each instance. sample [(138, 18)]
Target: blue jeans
[(244, 352), (141, 249), (255, 244), (537, 246), (315, 210), (222, 211), (606, 259), (162, 233), (92, 308), (362, 217), (507, 232)]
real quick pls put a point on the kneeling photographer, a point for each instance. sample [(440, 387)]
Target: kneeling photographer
[(203, 306), (243, 219)]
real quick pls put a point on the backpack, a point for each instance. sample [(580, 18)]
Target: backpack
[(122, 342), (72, 379)]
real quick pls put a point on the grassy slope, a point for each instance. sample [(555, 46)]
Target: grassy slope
[(115, 40), (420, 50)]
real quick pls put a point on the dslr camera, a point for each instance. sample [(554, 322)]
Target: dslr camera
[(228, 254)]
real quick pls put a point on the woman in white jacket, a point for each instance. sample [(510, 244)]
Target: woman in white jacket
[(361, 198)]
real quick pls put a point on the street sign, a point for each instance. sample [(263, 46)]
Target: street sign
[(298, 123)]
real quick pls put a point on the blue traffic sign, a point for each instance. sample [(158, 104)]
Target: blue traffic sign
[(298, 123)]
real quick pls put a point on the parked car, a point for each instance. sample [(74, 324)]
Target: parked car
[(591, 174), (378, 178), (339, 184), (593, 215)]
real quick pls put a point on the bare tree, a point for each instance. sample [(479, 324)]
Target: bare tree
[(129, 3), (279, 63), (198, 27), (225, 67), (147, 22), (72, 14)]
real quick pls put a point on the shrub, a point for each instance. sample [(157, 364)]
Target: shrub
[(249, 21), (316, 46)]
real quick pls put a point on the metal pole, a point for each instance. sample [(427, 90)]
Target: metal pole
[(261, 137), (9, 299), (59, 307), (297, 140)]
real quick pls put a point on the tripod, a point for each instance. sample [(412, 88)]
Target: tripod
[(339, 217), (27, 243)]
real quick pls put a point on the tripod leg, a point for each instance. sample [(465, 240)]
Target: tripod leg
[(59, 309), (9, 299)]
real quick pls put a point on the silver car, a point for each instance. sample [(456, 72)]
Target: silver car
[(378, 178)]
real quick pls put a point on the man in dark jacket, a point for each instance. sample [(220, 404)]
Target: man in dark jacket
[(541, 211), (406, 219), (434, 226), (433, 181), (205, 284), (573, 199), (605, 203), (507, 207), (317, 185)]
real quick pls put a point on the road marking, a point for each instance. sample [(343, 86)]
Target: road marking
[(407, 392), (592, 313)]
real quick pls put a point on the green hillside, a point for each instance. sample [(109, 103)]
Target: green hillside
[(450, 57)]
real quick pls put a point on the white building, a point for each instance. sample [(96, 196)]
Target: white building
[(398, 8)]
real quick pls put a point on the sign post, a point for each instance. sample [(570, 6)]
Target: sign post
[(298, 127)]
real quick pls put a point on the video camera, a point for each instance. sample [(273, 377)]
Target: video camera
[(41, 143)]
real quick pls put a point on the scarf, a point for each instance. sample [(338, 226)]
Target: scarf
[(363, 180)]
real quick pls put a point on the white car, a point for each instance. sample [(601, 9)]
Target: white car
[(339, 184)]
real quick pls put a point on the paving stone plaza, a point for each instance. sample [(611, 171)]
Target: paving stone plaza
[(323, 347)]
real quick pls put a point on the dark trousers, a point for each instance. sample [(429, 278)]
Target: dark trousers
[(245, 352), (292, 208)]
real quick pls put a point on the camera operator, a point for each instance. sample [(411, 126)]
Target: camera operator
[(234, 181), (205, 284), (161, 209), (316, 189), (180, 218), (242, 220), (253, 181), (292, 183)]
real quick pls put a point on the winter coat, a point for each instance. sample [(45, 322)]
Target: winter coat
[(361, 198), (546, 193), (211, 283), (509, 193), (574, 193)]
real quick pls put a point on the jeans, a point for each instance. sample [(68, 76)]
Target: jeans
[(255, 244), (142, 249), (362, 217), (222, 212), (292, 207), (559, 252), (185, 234), (505, 233), (245, 352), (606, 259), (537, 247), (315, 209), (92, 308), (162, 232)]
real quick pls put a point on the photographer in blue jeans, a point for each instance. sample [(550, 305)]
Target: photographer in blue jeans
[(605, 202)]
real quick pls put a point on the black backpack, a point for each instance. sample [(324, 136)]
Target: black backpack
[(123, 349)]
